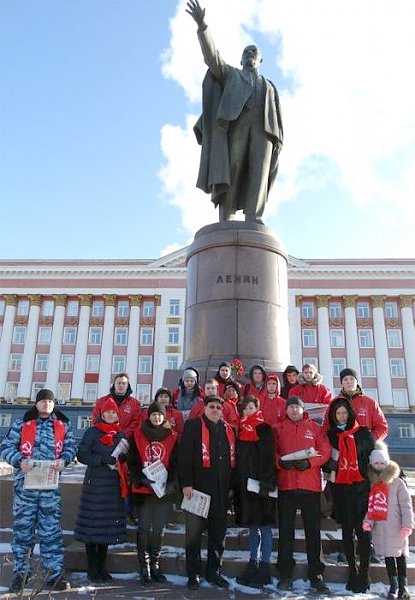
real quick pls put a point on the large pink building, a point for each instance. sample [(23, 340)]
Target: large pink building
[(70, 325)]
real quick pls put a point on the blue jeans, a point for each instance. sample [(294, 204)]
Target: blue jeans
[(260, 543)]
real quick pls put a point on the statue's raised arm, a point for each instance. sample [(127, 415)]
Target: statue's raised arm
[(240, 129), (197, 13)]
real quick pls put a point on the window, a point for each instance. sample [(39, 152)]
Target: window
[(97, 308), (41, 362), (123, 308), (309, 338), (44, 335), (90, 392), (391, 310), (338, 365), (72, 308), (11, 392), (36, 387), (95, 335), (307, 310), (368, 367), (23, 308), (394, 338), (400, 398), (397, 367), (92, 363), (19, 335), (337, 338), (118, 363), (406, 430), (48, 307), (15, 362), (5, 420), (67, 361), (2, 307), (363, 310), (143, 393), (85, 421), (69, 335), (173, 362), (120, 336), (144, 364), (365, 338), (146, 336), (335, 310), (372, 393), (174, 308), (63, 393), (312, 360), (148, 309), (173, 335)]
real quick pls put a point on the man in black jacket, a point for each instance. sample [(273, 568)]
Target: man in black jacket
[(206, 460)]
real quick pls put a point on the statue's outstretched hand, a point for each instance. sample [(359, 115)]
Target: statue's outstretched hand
[(197, 12)]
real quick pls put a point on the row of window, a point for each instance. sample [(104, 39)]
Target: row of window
[(95, 335), (367, 366), (363, 310), (145, 363), (365, 337), (97, 308)]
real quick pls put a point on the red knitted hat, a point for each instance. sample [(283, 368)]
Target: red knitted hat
[(110, 404)]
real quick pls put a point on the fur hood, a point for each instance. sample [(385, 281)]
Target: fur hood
[(388, 475), (315, 381)]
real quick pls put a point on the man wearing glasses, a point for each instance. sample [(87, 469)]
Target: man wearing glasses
[(206, 463)]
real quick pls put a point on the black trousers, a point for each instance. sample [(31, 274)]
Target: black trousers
[(216, 531), (309, 504)]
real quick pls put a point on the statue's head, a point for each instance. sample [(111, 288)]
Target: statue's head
[(251, 57)]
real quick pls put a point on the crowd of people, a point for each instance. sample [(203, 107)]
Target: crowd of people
[(262, 450)]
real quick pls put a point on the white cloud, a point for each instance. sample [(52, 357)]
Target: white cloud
[(348, 114)]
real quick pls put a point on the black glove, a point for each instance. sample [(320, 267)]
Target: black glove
[(302, 464), (143, 481), (263, 491), (331, 465), (108, 460), (287, 464)]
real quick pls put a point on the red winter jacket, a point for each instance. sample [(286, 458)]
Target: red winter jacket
[(151, 451), (290, 437), (130, 413), (273, 409), (312, 393), (174, 417), (251, 390), (368, 414)]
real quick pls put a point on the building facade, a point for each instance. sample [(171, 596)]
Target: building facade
[(72, 325)]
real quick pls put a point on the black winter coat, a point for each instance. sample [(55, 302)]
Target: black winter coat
[(215, 480), (256, 460), (350, 501), (101, 512)]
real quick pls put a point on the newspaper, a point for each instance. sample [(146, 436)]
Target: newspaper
[(120, 448), (42, 477), (198, 504), (157, 472), (253, 486), (301, 454)]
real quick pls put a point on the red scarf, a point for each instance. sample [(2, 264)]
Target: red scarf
[(27, 440), (206, 444), (348, 469), (378, 502), (109, 430), (248, 425)]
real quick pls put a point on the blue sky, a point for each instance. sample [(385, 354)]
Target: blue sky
[(98, 99)]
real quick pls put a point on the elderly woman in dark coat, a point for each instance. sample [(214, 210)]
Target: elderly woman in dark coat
[(351, 447), (101, 514), (255, 459)]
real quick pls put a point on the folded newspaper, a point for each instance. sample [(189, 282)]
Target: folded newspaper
[(157, 472), (301, 454), (198, 504), (254, 486), (42, 477)]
